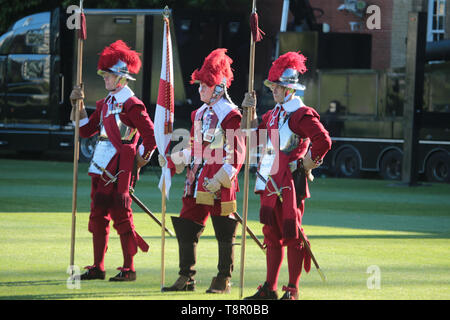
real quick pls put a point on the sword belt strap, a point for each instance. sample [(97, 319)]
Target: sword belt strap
[(123, 141)]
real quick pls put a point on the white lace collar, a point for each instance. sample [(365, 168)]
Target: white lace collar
[(222, 108)]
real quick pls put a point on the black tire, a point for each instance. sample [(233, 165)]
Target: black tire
[(391, 165), (87, 146), (438, 167), (348, 164)]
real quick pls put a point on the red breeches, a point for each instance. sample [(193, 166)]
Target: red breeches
[(198, 213), (106, 204), (275, 252)]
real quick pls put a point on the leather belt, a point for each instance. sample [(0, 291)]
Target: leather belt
[(123, 141)]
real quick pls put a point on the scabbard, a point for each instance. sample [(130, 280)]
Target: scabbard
[(250, 232), (147, 211), (299, 177), (308, 248)]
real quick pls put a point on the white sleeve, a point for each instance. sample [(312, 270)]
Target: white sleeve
[(83, 122), (230, 170)]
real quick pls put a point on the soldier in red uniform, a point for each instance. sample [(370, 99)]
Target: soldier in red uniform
[(213, 161), (296, 144), (119, 119)]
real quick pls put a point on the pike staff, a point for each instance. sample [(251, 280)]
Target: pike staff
[(255, 36), (82, 35), (164, 115)]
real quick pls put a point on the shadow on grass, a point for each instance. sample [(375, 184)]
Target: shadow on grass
[(52, 190), (76, 295), (434, 227), (32, 283), (384, 236)]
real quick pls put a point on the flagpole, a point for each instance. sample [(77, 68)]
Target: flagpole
[(163, 230), (76, 142), (167, 130), (247, 160)]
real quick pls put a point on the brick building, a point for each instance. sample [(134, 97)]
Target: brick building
[(389, 40)]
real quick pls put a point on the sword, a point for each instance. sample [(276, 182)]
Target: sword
[(147, 211), (308, 248), (250, 232), (305, 243), (112, 178), (278, 191)]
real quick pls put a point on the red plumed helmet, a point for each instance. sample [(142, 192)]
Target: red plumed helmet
[(286, 70), (216, 69), (119, 59)]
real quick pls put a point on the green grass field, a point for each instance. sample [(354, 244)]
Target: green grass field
[(355, 227)]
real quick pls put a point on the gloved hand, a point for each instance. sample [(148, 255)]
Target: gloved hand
[(309, 165), (220, 179), (249, 110), (140, 161), (212, 185), (77, 94), (175, 161), (249, 100), (161, 160), (178, 160)]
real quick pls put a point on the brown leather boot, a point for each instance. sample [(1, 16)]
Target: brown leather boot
[(220, 285), (183, 283)]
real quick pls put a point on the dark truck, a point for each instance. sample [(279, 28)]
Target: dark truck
[(38, 67), (363, 108)]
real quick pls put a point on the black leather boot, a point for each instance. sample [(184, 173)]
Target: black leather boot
[(263, 293), (125, 274), (225, 230), (183, 283), (93, 273), (188, 234)]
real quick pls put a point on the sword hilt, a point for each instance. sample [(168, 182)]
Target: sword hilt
[(278, 191), (112, 178)]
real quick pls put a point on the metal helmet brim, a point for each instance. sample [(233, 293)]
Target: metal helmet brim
[(119, 69), (288, 79)]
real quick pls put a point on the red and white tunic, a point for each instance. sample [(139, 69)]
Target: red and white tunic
[(292, 129), (215, 143)]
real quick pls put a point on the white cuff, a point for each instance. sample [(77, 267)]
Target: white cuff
[(230, 170), (83, 122), (186, 156)]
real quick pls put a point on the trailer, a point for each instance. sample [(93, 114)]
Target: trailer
[(363, 108), (37, 68)]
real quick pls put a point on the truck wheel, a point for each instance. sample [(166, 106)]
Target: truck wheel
[(438, 167), (87, 146), (348, 164), (391, 165)]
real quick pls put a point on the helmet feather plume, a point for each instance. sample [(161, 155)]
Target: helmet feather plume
[(215, 70), (116, 51), (293, 60)]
